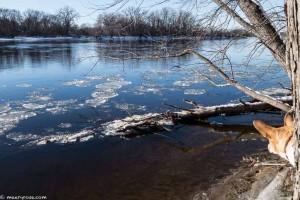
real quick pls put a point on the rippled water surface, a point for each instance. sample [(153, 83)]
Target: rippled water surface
[(62, 92)]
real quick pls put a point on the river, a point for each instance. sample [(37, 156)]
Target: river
[(53, 91)]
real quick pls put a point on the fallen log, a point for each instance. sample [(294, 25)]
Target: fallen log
[(157, 122)]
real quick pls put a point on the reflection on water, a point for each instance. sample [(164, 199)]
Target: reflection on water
[(48, 96)]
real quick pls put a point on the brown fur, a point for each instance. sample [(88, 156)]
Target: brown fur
[(280, 139)]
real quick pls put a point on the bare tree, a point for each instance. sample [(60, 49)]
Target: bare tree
[(67, 17), (10, 23)]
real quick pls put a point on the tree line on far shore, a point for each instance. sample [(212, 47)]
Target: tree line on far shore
[(130, 22)]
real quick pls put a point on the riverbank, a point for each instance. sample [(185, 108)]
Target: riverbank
[(262, 176)]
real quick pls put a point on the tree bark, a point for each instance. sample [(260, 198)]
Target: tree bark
[(293, 61), (260, 26), (265, 31)]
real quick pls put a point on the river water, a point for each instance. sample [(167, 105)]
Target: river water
[(51, 92)]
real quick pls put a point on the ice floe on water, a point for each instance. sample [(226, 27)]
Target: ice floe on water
[(194, 91), (107, 90), (96, 102), (33, 106), (35, 96), (19, 137), (96, 77), (24, 85), (78, 83), (59, 138), (276, 92), (57, 110), (104, 94), (65, 125), (130, 107), (182, 83), (10, 118), (108, 86), (4, 107), (63, 138), (142, 90)]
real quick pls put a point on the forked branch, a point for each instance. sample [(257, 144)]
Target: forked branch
[(264, 98)]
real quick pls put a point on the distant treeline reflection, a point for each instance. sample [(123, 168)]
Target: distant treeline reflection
[(130, 22)]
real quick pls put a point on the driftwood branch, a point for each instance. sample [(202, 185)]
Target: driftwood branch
[(155, 122)]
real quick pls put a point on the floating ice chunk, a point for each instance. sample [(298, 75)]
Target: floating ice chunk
[(64, 102), (244, 75), (194, 80), (194, 91), (24, 85), (6, 127), (104, 94), (15, 116), (65, 125), (96, 77), (33, 106), (182, 83), (113, 78), (130, 107), (96, 102), (57, 110), (64, 138), (122, 83), (4, 107), (81, 134), (108, 86), (78, 83), (19, 137), (8, 120), (142, 89), (87, 138), (37, 97), (276, 92)]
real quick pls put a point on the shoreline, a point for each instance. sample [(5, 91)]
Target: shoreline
[(258, 177)]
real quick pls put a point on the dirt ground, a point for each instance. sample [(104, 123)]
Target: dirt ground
[(261, 176)]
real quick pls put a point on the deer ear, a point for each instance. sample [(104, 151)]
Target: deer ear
[(288, 120), (264, 129)]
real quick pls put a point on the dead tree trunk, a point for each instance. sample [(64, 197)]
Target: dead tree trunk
[(293, 61)]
